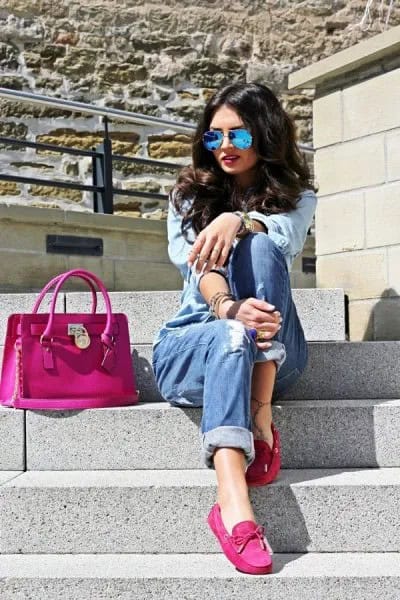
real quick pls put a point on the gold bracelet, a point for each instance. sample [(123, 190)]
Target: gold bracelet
[(247, 226)]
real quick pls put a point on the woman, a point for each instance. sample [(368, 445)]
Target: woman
[(237, 219)]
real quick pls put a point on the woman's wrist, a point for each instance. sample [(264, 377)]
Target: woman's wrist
[(246, 224), (223, 308), (217, 299)]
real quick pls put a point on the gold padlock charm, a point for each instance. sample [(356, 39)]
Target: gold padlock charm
[(81, 336), (82, 340)]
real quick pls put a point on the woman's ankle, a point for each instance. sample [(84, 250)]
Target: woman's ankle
[(235, 510)]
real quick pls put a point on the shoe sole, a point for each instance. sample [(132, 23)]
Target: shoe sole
[(236, 560)]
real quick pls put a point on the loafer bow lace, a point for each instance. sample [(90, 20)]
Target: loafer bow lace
[(246, 548), (243, 540)]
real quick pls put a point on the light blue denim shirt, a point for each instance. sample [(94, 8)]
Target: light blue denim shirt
[(287, 230)]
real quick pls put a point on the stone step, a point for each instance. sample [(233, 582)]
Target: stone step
[(12, 439), (335, 371), (325, 434), (310, 576), (321, 310), (145, 511)]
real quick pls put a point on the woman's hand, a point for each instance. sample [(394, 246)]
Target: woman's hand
[(254, 314), (213, 244)]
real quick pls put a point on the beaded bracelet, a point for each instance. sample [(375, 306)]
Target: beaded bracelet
[(217, 299)]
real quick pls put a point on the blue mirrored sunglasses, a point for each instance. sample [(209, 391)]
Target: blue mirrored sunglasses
[(240, 138)]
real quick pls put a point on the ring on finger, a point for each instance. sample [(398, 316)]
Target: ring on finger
[(261, 335)]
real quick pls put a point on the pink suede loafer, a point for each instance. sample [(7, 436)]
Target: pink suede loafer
[(246, 548), (267, 463)]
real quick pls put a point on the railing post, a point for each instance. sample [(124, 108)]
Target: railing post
[(102, 175)]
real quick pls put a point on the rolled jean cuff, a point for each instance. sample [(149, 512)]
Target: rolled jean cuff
[(227, 437), (277, 352)]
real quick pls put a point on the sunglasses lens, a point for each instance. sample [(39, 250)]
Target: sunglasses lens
[(241, 138), (212, 140)]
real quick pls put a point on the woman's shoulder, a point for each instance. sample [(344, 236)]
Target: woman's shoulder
[(306, 196)]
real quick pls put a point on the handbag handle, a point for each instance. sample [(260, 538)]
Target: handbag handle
[(106, 336), (51, 283)]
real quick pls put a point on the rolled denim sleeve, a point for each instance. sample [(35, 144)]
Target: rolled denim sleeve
[(289, 230)]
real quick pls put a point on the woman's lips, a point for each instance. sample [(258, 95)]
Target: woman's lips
[(229, 160)]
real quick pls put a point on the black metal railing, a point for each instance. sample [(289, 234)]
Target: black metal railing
[(102, 156)]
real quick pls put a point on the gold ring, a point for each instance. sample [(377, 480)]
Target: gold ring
[(216, 251), (260, 335)]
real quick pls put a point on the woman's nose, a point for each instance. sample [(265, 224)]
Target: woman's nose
[(226, 142)]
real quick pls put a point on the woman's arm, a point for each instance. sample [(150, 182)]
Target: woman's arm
[(289, 230), (213, 244), (252, 312)]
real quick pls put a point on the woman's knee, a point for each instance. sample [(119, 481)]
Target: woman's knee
[(261, 250), (232, 336)]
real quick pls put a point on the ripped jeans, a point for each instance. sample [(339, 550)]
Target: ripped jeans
[(210, 363)]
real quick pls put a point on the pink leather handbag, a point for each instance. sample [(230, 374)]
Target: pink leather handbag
[(59, 361)]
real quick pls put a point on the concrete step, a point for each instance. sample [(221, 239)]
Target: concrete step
[(326, 434), (197, 576), (12, 439), (145, 511), (321, 310), (335, 371)]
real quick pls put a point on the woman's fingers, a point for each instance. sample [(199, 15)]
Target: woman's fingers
[(217, 256), (263, 345), (208, 253)]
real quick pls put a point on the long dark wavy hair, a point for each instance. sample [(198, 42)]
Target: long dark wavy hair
[(282, 171)]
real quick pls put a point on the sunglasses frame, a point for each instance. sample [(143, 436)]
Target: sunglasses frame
[(249, 139)]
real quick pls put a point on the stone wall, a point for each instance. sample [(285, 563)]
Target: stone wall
[(357, 141), (134, 255), (162, 59)]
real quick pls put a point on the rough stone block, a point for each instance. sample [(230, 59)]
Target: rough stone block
[(382, 216), (367, 110), (327, 120), (362, 274), (349, 233), (337, 171)]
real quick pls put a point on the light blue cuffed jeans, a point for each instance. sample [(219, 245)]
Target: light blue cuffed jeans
[(210, 364)]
